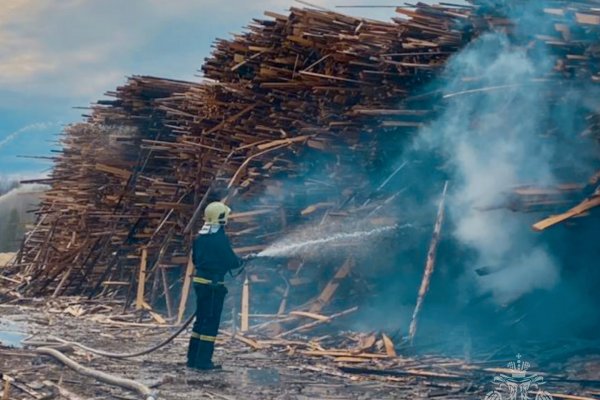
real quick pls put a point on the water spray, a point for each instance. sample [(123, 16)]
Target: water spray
[(291, 247)]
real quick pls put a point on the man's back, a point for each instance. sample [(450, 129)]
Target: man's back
[(212, 253)]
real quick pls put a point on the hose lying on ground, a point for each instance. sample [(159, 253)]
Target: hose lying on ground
[(124, 355), (108, 354), (101, 376)]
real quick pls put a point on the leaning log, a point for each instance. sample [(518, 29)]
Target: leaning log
[(429, 266)]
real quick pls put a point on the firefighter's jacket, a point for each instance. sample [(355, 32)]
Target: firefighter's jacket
[(212, 254)]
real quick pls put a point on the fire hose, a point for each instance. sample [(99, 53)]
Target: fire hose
[(149, 350), (109, 354), (52, 349)]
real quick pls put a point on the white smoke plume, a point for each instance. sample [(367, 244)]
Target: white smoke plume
[(17, 202), (13, 197), (493, 139)]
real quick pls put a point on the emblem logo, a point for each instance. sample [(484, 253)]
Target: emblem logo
[(517, 385)]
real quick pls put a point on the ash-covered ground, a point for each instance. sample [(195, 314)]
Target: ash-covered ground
[(278, 371)]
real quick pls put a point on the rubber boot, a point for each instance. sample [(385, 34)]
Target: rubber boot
[(204, 356), (192, 354)]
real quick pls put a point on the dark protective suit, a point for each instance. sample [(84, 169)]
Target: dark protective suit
[(213, 257)]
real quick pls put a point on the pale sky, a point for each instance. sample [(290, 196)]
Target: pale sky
[(60, 54)]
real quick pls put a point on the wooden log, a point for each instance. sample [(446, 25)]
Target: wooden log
[(429, 266)]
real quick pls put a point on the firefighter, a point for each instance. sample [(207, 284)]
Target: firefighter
[(213, 257)]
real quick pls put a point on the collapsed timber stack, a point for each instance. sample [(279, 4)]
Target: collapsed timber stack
[(572, 37), (129, 182), (106, 194), (233, 132), (311, 81)]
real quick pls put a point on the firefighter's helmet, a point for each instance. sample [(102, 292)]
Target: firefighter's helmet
[(216, 213)]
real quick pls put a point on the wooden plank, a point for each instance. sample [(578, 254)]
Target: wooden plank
[(342, 353), (166, 290), (246, 340), (332, 286), (389, 346), (245, 305), (365, 343), (187, 282), (6, 391), (157, 317), (139, 300), (121, 173), (280, 142), (337, 78), (316, 323), (284, 300), (587, 19), (582, 207), (306, 314), (349, 359)]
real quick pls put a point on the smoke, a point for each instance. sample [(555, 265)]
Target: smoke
[(15, 207), (502, 123), (13, 197), (491, 131)]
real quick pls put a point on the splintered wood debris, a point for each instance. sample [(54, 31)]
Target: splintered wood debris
[(129, 183), (352, 365)]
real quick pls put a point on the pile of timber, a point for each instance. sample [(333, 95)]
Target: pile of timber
[(105, 193), (292, 109)]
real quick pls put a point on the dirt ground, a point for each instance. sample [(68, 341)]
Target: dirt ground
[(271, 373)]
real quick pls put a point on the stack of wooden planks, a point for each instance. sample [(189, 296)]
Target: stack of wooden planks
[(108, 194), (295, 114)]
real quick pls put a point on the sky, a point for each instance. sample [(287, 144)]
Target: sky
[(56, 55)]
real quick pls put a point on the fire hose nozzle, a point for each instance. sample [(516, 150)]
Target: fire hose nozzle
[(249, 257)]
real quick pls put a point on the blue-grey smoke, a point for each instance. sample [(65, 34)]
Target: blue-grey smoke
[(491, 132)]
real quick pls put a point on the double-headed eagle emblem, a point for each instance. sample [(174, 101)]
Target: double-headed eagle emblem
[(518, 384)]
